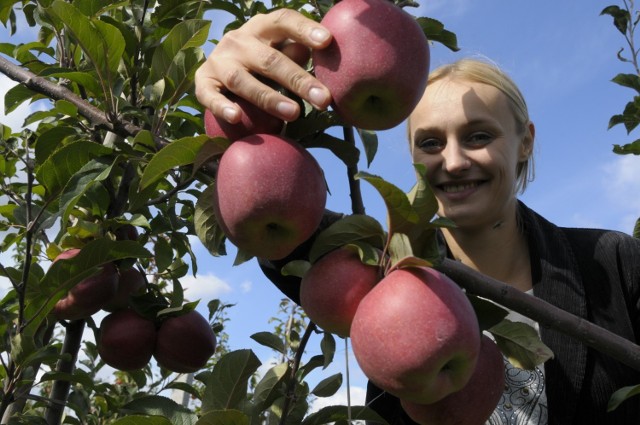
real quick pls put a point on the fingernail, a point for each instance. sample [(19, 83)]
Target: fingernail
[(287, 110), (230, 114), (317, 96), (320, 35)]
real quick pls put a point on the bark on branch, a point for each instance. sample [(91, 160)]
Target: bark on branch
[(94, 115), (545, 314)]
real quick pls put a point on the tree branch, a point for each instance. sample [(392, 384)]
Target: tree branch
[(60, 390), (545, 314), (96, 116)]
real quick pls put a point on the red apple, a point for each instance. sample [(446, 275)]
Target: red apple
[(479, 397), (126, 340), (131, 282), (377, 64), (270, 195), (416, 335), (185, 343), (253, 121), (332, 288), (89, 295)]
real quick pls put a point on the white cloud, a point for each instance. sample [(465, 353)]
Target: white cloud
[(622, 182), (246, 286), (204, 287)]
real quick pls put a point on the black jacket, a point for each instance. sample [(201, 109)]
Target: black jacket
[(594, 274)]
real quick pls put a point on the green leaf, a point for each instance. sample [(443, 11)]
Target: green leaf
[(344, 151), (15, 96), (520, 343), (434, 31), (401, 215), (86, 80), (101, 42), (370, 143), (628, 80), (489, 313), (224, 417), (226, 386), (296, 268), (636, 229), (621, 395), (421, 196), (206, 224), (270, 386), (328, 386), (269, 340), (620, 17), (93, 172), (57, 170), (331, 414), (184, 35), (328, 348), (162, 406), (629, 148), (347, 230), (178, 153)]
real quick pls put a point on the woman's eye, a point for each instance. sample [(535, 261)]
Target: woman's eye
[(430, 145), (479, 139)]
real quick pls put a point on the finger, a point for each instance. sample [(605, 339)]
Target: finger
[(287, 24)]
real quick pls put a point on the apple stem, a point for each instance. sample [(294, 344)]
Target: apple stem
[(357, 204), (291, 385), (60, 390), (544, 313)]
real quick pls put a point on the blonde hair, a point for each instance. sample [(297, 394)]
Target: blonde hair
[(484, 72)]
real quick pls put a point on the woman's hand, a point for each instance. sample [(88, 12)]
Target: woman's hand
[(273, 46)]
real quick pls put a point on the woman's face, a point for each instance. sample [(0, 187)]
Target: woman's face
[(466, 135)]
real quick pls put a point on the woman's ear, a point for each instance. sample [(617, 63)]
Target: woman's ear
[(526, 148)]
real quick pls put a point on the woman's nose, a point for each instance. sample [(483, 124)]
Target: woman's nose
[(455, 159)]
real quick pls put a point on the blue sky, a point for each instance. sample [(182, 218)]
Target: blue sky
[(563, 56)]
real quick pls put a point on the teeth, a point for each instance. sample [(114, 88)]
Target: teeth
[(453, 188)]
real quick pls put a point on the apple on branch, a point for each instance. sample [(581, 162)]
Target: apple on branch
[(377, 64), (416, 335), (475, 402), (126, 340), (89, 295), (331, 290), (269, 196), (185, 343)]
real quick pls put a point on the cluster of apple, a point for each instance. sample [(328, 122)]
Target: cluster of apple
[(128, 340), (184, 343), (414, 334), (270, 193)]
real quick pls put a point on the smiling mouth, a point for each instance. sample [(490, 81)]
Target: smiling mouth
[(458, 187)]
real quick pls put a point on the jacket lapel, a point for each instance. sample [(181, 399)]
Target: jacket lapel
[(557, 280)]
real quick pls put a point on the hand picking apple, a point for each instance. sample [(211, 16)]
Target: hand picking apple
[(377, 64)]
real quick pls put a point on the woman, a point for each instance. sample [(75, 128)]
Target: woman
[(472, 131)]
